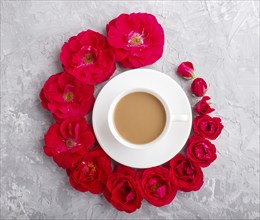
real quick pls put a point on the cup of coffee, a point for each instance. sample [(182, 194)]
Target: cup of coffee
[(139, 118)]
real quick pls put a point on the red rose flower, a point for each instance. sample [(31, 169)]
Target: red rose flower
[(186, 175), (91, 173), (186, 70), (121, 189), (88, 57), (137, 39), (207, 126), (202, 107), (201, 151), (68, 142), (156, 186), (198, 87), (66, 97)]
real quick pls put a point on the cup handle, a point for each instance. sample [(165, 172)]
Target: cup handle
[(180, 117)]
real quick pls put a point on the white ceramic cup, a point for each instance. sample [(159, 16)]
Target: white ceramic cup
[(169, 119)]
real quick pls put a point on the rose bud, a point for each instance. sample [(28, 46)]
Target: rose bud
[(203, 107), (198, 87), (186, 70)]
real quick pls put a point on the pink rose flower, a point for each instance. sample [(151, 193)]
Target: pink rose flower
[(88, 57), (91, 173), (66, 97), (68, 142), (201, 151), (186, 70), (137, 39), (198, 87), (122, 191), (187, 176), (207, 127), (202, 107), (156, 186)]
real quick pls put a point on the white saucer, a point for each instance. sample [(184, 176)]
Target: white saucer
[(169, 145)]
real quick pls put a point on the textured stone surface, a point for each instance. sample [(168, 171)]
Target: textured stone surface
[(220, 38)]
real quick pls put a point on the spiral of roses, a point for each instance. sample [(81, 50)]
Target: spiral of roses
[(134, 40)]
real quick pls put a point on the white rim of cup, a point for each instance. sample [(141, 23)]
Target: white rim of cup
[(123, 141)]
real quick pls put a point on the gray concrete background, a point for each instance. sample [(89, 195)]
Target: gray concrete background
[(220, 38)]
